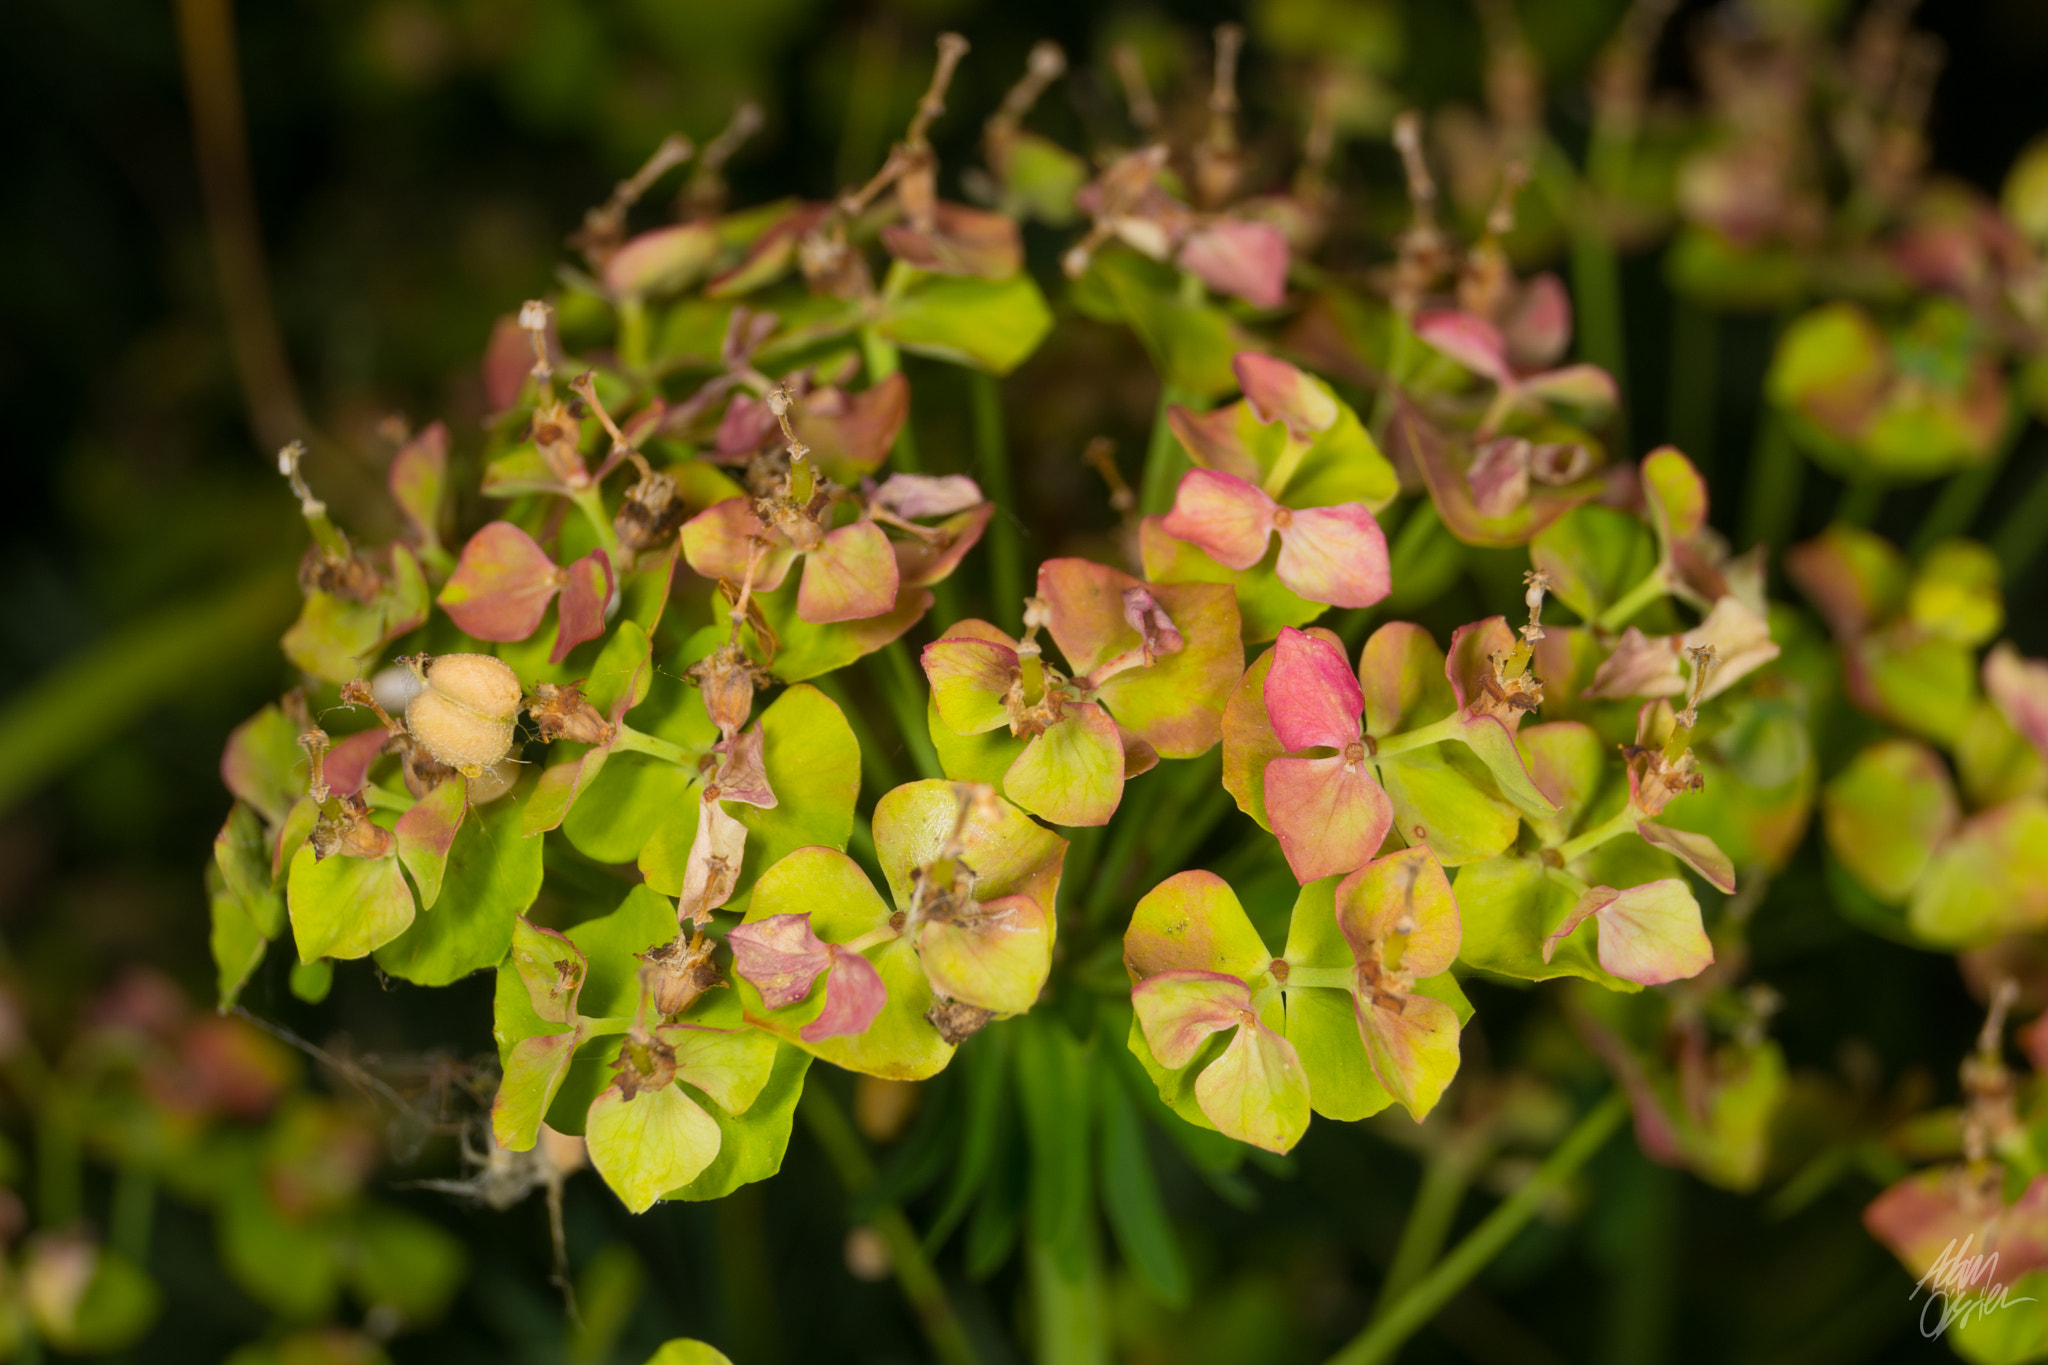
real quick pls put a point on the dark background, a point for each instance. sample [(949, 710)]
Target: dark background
[(418, 163)]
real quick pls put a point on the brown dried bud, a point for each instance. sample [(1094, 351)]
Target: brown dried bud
[(957, 1021), (645, 1064), (727, 677), (350, 577), (563, 713), (677, 972), (651, 511), (350, 833), (463, 714)]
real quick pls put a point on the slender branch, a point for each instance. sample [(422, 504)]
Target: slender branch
[(1616, 825), (1446, 1175), (634, 741), (992, 461), (1164, 460), (914, 1272), (1383, 1338), (1655, 584), (90, 699), (1962, 497), (1776, 472), (213, 88)]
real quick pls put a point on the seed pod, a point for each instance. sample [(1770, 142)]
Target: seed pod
[(677, 972), (562, 713), (956, 1020), (463, 715)]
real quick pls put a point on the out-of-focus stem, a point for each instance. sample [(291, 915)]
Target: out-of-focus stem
[(1384, 1337), (1446, 1175), (904, 685), (1962, 497), (213, 88), (1695, 379), (883, 360), (1165, 462), (992, 462), (1776, 472), (914, 1273)]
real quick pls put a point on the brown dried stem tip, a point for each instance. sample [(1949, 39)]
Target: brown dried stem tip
[(678, 972), (562, 712), (1423, 251), (534, 317), (1046, 64), (704, 195), (604, 227), (1217, 164), (1130, 70)]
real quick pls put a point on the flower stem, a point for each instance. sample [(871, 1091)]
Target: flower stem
[(1446, 1175), (914, 1272), (1434, 733), (1385, 1335), (639, 742), (2020, 536), (1654, 585), (902, 684), (883, 360), (1962, 497), (1621, 822), (992, 462), (1775, 473), (1165, 462), (591, 503), (1695, 380)]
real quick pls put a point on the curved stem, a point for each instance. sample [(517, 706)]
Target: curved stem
[(914, 1273), (1621, 822), (1384, 1337), (1654, 585), (992, 462), (634, 741), (1434, 733), (1446, 1175)]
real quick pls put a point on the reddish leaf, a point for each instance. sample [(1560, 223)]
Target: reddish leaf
[(1245, 260), (1334, 555), (347, 765), (580, 613), (418, 480), (1280, 392), (502, 586), (851, 577), (1312, 698), (1230, 519)]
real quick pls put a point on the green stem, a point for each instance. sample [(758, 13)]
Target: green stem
[(91, 699), (904, 685), (883, 360), (1859, 504), (591, 503), (133, 1213), (1695, 379), (1446, 1175), (1165, 462), (1776, 472), (1421, 737), (639, 742), (1385, 1335), (992, 461), (2019, 537), (1962, 497), (914, 1273), (1655, 584), (1621, 822)]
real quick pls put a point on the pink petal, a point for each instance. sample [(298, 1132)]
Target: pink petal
[(1280, 392), (719, 539), (1335, 555), (915, 496), (1247, 260), (712, 872), (1330, 816), (502, 586), (1214, 440), (347, 766), (1540, 326), (1472, 341), (969, 680), (1179, 1010), (1312, 696), (1640, 666), (1696, 851), (1412, 1043), (579, 616), (919, 563), (2017, 686), (1470, 659), (1143, 614), (1499, 476), (1583, 386), (854, 995), (779, 956), (743, 776), (1227, 517), (851, 577)]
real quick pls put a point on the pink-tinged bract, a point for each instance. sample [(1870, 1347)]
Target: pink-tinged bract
[(1328, 814), (1072, 772), (851, 577), (502, 586), (1280, 392), (1245, 260), (1312, 697), (586, 594), (1230, 519), (1334, 555), (969, 680), (995, 956), (1472, 341), (1649, 934), (1696, 851), (719, 541)]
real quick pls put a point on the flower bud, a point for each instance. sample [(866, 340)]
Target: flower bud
[(677, 972), (726, 677), (464, 712), (562, 713)]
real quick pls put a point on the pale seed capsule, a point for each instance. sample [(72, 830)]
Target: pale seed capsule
[(463, 714)]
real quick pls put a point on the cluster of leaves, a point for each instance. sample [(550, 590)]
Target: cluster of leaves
[(704, 519)]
